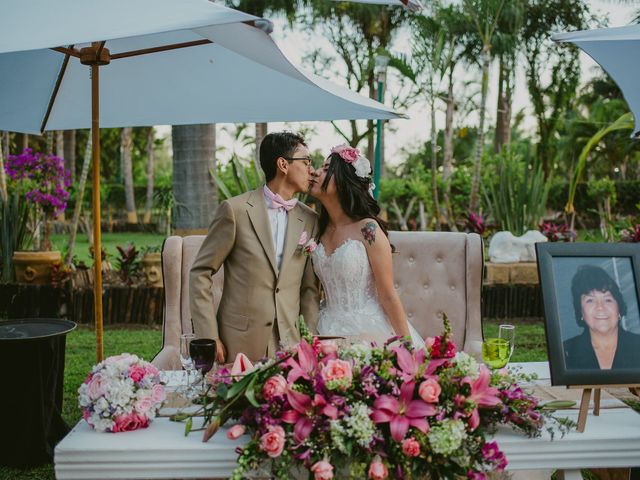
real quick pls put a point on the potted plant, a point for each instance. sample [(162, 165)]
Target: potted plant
[(44, 182), (152, 265)]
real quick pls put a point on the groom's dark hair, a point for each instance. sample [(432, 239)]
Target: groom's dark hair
[(276, 145)]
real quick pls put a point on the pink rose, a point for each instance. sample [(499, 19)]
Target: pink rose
[(346, 152), (143, 405), (158, 394), (136, 372), (236, 431), (272, 442), (327, 347), (322, 470), (429, 390), (338, 371), (275, 386), (310, 247), (96, 387), (128, 423), (411, 447), (150, 369), (378, 470)]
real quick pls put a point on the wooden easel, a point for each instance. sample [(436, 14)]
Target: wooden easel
[(586, 396)]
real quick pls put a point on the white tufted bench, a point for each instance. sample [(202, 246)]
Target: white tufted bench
[(434, 272)]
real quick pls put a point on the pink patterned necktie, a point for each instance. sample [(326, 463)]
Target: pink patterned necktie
[(276, 201)]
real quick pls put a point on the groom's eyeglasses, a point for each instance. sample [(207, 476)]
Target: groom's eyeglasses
[(307, 160)]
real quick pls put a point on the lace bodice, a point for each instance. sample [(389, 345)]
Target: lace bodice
[(351, 300)]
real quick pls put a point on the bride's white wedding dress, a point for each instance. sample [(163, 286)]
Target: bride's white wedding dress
[(351, 301)]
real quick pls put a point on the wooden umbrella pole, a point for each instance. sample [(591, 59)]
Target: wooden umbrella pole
[(95, 56), (97, 240)]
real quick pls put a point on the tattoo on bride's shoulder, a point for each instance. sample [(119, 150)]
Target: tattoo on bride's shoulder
[(369, 232)]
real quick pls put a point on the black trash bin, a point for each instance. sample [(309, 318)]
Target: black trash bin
[(32, 374)]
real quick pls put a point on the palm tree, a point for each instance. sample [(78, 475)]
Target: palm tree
[(193, 148), (485, 15), (126, 147), (149, 202), (69, 155)]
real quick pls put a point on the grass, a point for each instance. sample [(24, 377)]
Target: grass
[(109, 241)]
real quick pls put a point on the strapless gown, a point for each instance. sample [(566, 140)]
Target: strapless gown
[(351, 302)]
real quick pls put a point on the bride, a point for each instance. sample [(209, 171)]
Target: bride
[(353, 256)]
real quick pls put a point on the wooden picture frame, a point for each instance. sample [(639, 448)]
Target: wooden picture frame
[(565, 271)]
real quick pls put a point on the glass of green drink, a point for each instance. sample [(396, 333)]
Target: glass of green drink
[(496, 352)]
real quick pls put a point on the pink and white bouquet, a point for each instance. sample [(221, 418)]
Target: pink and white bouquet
[(371, 412), (121, 393)]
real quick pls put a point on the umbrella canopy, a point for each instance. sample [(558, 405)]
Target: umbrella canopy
[(73, 64), (614, 49), (235, 73)]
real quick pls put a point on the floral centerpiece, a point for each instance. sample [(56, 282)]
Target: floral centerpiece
[(375, 412), (121, 393), (47, 183)]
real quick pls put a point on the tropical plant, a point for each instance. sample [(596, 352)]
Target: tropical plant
[(14, 232), (603, 192), (128, 263), (166, 201), (518, 197)]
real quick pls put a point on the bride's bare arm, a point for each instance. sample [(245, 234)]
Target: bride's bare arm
[(379, 253)]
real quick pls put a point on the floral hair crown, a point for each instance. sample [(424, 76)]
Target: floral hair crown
[(352, 156)]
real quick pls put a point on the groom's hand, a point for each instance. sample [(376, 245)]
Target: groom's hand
[(221, 353)]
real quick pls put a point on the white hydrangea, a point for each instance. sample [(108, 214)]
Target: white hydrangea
[(338, 434), (359, 424), (359, 352), (467, 365), (447, 437), (120, 392)]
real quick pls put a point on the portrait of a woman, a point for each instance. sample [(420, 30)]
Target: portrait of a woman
[(599, 307)]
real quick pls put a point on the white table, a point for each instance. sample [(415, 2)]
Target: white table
[(161, 451)]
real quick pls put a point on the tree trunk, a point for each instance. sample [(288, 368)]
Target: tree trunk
[(149, 204), (447, 157), (70, 152), (24, 142), (422, 216), (195, 193), (371, 138), (49, 147), (126, 145), (86, 163), (261, 132), (474, 200), (434, 163), (498, 137), (3, 178)]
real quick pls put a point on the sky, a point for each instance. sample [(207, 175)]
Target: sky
[(409, 133)]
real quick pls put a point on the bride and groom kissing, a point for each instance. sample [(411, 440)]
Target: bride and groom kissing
[(270, 278)]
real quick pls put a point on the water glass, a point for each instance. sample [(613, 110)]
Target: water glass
[(508, 332), (185, 358)]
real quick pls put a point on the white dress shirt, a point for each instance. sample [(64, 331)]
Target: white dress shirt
[(278, 219)]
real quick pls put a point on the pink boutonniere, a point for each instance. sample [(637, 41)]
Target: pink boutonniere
[(305, 245)]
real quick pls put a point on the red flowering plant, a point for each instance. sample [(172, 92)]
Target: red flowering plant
[(368, 411), (558, 233), (46, 183)]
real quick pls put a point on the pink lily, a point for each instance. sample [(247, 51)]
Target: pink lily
[(403, 412), (408, 362), (303, 410), (306, 365), (482, 395)]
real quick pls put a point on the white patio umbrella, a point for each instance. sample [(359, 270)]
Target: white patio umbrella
[(74, 64), (411, 5), (616, 50)]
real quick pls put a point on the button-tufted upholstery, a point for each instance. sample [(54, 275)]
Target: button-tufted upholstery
[(178, 254), (434, 272), (441, 272)]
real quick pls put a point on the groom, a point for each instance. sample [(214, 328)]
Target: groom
[(268, 281)]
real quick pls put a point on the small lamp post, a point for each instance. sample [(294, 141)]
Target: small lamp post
[(382, 61)]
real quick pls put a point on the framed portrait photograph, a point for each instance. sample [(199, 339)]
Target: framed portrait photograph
[(592, 315)]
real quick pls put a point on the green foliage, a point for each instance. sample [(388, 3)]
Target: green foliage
[(14, 234), (602, 188), (518, 197), (235, 178), (128, 262)]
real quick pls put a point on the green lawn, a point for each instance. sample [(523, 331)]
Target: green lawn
[(109, 241)]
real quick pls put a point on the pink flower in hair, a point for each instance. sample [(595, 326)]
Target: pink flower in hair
[(347, 153)]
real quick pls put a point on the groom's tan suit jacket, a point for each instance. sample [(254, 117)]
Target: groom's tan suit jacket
[(256, 294)]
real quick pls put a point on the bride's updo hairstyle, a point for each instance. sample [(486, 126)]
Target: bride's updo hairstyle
[(353, 185)]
